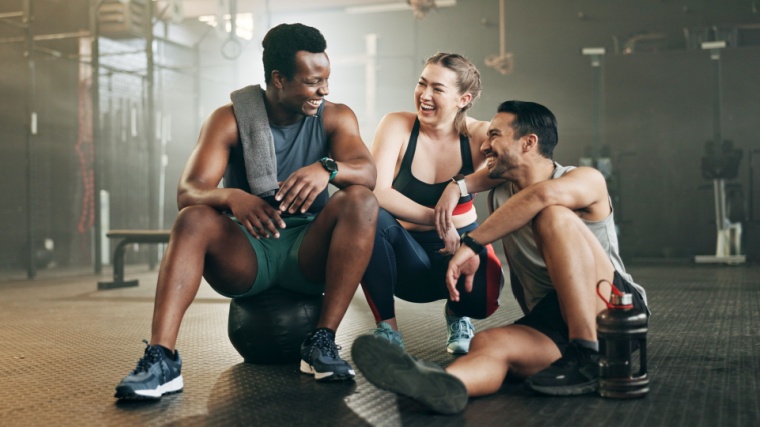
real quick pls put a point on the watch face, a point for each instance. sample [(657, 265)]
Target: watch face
[(329, 164)]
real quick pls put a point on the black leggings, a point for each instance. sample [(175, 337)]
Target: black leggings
[(407, 264)]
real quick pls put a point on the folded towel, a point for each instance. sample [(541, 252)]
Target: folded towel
[(257, 140)]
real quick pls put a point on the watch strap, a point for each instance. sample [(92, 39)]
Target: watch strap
[(333, 170), (459, 180), (476, 247)]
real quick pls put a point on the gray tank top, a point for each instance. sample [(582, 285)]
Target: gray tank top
[(525, 261), (296, 146)]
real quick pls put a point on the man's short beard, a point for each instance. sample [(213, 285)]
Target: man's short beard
[(494, 174)]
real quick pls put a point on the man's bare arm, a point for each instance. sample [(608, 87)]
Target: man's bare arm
[(355, 165), (205, 169), (580, 189)]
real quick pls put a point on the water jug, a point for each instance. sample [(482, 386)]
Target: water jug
[(622, 329)]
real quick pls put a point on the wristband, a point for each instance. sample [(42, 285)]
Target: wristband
[(459, 180), (330, 166), (471, 243)]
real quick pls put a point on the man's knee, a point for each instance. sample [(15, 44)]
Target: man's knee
[(195, 219), (480, 340), (489, 341), (356, 200), (522, 349), (551, 220)]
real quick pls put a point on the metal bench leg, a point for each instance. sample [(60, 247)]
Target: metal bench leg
[(118, 269)]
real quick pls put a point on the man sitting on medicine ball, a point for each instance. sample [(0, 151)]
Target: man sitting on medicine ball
[(274, 223)]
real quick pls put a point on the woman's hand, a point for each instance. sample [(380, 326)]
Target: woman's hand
[(450, 240), (444, 210)]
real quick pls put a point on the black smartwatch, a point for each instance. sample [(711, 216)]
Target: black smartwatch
[(330, 166), (471, 243)]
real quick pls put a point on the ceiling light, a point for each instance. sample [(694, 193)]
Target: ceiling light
[(395, 6)]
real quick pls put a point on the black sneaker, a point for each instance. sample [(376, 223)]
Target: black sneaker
[(389, 367), (576, 372), (155, 375), (319, 357)]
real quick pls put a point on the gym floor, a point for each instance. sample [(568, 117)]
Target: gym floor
[(66, 345)]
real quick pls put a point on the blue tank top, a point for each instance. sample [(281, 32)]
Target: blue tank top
[(296, 146), (422, 192)]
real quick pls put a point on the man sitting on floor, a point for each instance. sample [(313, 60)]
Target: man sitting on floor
[(274, 223), (556, 225)]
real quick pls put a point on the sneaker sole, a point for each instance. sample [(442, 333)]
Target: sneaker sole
[(574, 390), (127, 393), (457, 351), (390, 368), (326, 376)]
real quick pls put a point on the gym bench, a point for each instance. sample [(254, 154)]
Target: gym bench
[(128, 237)]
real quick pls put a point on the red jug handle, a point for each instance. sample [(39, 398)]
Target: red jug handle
[(614, 290)]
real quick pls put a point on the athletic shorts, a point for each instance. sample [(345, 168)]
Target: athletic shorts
[(278, 259), (546, 316)]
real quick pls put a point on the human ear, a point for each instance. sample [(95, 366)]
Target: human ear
[(530, 141), (277, 79), (465, 99)]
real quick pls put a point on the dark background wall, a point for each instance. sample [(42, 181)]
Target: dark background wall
[(658, 106)]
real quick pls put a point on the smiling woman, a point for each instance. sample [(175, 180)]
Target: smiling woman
[(417, 154)]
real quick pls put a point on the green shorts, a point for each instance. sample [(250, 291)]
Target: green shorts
[(278, 260)]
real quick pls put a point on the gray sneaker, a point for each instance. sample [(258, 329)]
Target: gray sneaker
[(460, 332), (384, 330), (319, 357), (389, 367), (155, 375)]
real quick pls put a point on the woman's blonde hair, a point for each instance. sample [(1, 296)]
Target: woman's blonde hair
[(468, 81)]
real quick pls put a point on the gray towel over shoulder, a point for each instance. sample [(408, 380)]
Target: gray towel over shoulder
[(257, 140)]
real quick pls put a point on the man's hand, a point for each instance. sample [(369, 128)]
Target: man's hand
[(444, 209), (256, 215), (465, 262), (302, 187)]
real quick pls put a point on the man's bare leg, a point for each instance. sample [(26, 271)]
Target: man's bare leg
[(576, 262), (337, 248), (494, 352), (203, 241), (518, 349)]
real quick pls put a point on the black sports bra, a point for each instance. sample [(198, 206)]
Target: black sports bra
[(422, 192)]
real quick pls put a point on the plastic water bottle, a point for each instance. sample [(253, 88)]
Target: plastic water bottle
[(622, 329)]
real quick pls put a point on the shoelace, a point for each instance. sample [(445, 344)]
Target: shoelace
[(151, 356), (389, 334), (324, 343), (381, 330), (460, 328)]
